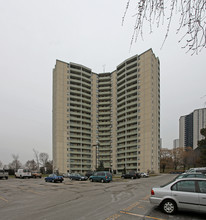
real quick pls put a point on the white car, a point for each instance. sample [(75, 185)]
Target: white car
[(66, 175), (186, 193), (144, 174)]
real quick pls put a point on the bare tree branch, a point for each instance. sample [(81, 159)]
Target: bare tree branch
[(192, 20), (36, 154), (43, 157)]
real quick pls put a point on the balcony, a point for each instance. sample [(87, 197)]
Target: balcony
[(120, 163), (102, 154), (107, 91), (121, 157), (132, 87), (131, 139), (105, 108), (105, 133), (132, 145), (104, 138), (105, 119), (121, 82)]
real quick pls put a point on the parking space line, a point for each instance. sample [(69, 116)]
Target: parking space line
[(113, 217), (145, 201), (143, 216), (4, 199), (146, 197), (131, 206)]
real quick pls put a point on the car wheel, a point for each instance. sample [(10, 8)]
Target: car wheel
[(132, 177), (169, 207), (91, 180), (53, 181), (102, 181)]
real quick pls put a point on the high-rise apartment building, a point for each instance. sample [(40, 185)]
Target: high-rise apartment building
[(111, 118), (176, 143), (190, 126)]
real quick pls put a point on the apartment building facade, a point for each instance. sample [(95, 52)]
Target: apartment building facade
[(111, 118), (190, 126)]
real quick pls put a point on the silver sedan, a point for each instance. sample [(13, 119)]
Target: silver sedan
[(187, 194)]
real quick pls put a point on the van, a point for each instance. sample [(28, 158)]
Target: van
[(23, 173), (101, 176)]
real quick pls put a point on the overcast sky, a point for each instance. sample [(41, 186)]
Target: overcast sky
[(89, 32)]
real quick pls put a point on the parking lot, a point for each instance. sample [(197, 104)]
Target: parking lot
[(120, 199)]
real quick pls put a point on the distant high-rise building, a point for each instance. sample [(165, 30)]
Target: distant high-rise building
[(190, 126), (111, 117), (176, 143)]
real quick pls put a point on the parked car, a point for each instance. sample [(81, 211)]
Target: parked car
[(4, 174), (197, 169), (190, 175), (89, 173), (101, 176), (36, 175), (54, 178), (177, 172), (131, 175), (77, 176), (187, 193), (144, 175), (66, 175)]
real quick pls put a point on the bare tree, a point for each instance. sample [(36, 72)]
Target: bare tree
[(191, 25), (15, 164), (1, 164), (36, 154), (178, 155), (31, 164), (166, 160), (43, 157)]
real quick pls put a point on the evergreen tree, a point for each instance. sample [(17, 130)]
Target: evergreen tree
[(202, 147)]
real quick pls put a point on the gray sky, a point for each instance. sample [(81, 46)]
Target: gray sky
[(89, 32)]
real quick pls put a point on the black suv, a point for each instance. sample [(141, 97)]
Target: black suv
[(131, 175)]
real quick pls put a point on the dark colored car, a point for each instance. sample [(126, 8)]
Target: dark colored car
[(54, 178), (77, 176), (131, 175), (89, 173), (101, 176)]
